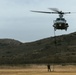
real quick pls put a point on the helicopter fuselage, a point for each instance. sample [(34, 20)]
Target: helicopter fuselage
[(60, 23)]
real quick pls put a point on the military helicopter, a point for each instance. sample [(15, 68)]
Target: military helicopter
[(60, 23)]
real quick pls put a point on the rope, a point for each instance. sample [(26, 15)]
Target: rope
[(55, 39)]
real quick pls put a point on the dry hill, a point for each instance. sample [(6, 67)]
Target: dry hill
[(48, 50)]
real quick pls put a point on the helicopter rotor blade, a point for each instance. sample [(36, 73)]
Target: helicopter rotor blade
[(54, 9), (44, 12), (59, 12), (67, 12)]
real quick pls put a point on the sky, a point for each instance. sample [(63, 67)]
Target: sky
[(17, 22)]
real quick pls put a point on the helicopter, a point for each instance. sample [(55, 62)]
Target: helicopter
[(60, 23)]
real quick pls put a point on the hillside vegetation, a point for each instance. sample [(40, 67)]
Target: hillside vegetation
[(48, 50)]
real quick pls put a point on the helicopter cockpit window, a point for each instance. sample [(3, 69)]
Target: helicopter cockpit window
[(62, 19), (58, 19)]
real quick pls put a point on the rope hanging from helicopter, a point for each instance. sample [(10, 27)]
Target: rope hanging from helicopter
[(55, 39)]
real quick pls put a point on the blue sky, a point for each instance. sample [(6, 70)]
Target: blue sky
[(17, 22)]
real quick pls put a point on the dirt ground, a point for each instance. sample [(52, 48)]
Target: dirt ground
[(38, 70)]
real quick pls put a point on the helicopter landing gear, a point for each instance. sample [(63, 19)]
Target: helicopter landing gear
[(67, 25), (66, 29), (54, 29)]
